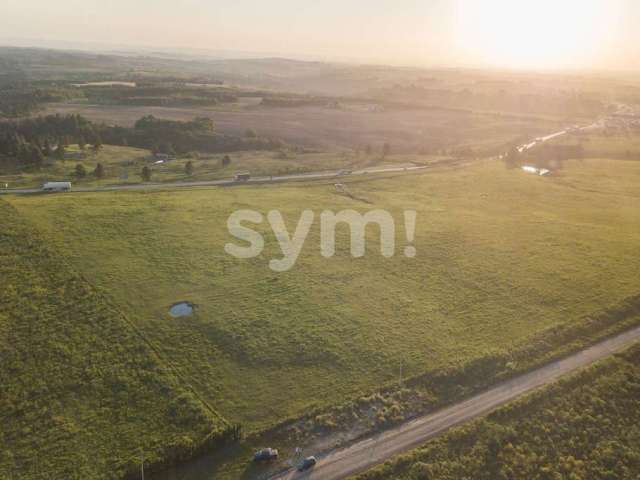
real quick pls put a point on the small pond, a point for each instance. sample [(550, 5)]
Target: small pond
[(182, 309)]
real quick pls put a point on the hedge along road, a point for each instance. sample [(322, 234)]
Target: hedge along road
[(231, 182), (377, 449)]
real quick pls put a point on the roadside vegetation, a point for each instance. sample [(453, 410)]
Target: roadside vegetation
[(584, 427)]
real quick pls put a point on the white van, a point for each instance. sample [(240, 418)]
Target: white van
[(56, 187)]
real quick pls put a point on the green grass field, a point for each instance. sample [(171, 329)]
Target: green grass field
[(584, 427), (83, 394), (502, 256)]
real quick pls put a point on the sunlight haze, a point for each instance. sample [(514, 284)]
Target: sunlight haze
[(594, 34)]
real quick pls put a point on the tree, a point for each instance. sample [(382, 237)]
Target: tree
[(81, 172), (23, 152), (82, 142), (99, 171), (60, 151), (145, 174), (226, 160), (188, 168), (97, 145), (46, 150), (145, 122), (37, 158), (204, 123)]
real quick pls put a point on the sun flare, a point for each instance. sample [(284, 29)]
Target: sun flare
[(548, 33)]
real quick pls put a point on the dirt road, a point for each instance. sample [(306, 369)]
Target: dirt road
[(377, 449)]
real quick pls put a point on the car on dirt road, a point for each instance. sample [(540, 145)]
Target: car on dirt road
[(265, 454), (307, 463)]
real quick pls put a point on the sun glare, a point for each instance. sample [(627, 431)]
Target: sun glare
[(545, 33)]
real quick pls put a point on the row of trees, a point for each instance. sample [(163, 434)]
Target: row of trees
[(20, 97), (98, 172), (30, 142), (149, 132), (174, 137)]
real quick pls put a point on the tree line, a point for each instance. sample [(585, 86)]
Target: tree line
[(29, 142)]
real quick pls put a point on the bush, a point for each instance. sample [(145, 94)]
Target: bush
[(80, 171)]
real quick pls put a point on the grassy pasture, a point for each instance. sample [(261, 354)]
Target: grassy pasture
[(82, 393), (502, 256)]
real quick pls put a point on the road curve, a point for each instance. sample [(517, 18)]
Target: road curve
[(230, 182), (372, 451)]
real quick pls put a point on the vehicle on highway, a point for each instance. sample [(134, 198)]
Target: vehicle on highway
[(242, 177), (56, 187), (307, 463), (345, 172), (265, 454)]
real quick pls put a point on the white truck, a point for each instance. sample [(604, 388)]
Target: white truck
[(56, 187)]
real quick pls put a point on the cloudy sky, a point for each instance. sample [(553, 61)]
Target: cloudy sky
[(600, 34)]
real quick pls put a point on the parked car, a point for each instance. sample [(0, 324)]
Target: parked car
[(307, 463), (265, 454)]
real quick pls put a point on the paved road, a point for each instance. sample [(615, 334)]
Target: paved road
[(280, 178), (229, 182), (367, 453)]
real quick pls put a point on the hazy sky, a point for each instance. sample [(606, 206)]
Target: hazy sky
[(508, 33)]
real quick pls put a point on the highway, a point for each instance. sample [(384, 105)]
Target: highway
[(231, 182), (376, 449)]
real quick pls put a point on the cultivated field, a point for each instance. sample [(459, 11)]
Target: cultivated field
[(408, 129), (502, 256)]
